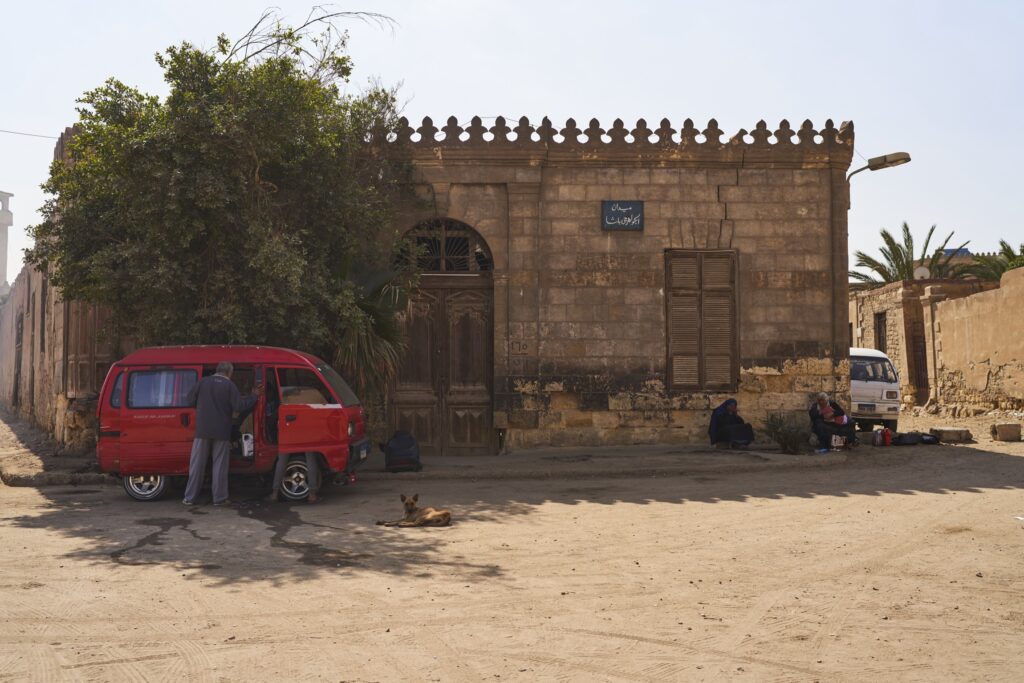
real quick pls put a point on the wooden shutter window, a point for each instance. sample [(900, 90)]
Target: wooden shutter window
[(701, 319), (684, 339)]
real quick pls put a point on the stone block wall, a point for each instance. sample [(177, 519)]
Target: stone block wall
[(979, 348), (580, 333)]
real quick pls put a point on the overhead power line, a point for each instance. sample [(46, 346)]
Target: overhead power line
[(29, 135)]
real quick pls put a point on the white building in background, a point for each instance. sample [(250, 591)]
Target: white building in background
[(6, 221)]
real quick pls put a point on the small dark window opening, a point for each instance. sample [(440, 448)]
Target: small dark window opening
[(880, 321)]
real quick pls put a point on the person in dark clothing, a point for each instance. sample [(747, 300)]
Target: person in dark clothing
[(216, 400), (828, 419), (727, 428)]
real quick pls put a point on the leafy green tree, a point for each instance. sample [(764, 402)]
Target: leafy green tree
[(249, 205), (992, 267), (898, 261)]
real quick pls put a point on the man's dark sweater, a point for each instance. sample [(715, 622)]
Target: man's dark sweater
[(217, 399)]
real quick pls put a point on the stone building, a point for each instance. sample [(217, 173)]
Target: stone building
[(612, 286), (891, 318)]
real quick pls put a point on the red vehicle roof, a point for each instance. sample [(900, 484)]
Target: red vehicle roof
[(208, 355)]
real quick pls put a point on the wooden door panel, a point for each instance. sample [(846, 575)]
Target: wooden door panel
[(469, 324), (422, 422), (442, 392), (469, 430), (470, 371), (418, 370)]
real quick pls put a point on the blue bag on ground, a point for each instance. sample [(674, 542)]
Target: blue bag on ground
[(402, 453)]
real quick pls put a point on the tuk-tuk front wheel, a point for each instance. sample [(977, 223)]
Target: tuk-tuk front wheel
[(144, 487), (295, 484)]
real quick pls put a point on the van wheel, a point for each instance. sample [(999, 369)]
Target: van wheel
[(145, 487), (295, 485)]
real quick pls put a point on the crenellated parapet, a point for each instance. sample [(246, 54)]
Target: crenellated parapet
[(761, 145)]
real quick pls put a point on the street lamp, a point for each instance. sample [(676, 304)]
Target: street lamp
[(886, 161)]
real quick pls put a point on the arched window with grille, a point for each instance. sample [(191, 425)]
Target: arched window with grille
[(449, 246)]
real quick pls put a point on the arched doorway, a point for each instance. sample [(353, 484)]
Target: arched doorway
[(443, 390)]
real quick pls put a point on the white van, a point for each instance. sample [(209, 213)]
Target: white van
[(874, 389)]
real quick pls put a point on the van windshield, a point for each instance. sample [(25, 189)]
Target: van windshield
[(872, 370), (340, 387)]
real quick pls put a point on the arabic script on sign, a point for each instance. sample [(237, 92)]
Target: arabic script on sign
[(622, 215)]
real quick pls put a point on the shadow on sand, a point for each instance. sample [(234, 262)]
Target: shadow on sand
[(258, 541)]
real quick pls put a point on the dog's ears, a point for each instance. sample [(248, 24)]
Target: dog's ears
[(402, 496), (415, 497)]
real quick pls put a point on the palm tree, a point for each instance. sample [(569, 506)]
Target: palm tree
[(371, 348), (992, 267), (898, 261)]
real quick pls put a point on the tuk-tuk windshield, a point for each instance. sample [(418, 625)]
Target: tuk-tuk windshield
[(340, 387)]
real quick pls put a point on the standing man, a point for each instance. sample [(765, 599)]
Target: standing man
[(216, 400)]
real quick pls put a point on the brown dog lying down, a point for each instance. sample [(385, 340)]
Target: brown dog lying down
[(417, 516)]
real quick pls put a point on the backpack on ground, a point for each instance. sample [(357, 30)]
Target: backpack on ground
[(401, 453), (908, 439)]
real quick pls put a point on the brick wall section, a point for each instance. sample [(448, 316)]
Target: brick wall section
[(979, 347), (580, 342)]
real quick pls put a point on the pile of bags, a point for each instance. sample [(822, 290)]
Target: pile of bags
[(886, 437)]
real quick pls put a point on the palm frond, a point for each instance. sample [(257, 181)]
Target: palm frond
[(927, 240), (898, 258), (1007, 252), (880, 269)]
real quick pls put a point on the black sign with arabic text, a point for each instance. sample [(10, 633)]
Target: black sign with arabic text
[(622, 215)]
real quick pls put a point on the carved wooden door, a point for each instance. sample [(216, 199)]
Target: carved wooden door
[(442, 392)]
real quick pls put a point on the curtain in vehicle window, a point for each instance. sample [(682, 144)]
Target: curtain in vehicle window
[(160, 388)]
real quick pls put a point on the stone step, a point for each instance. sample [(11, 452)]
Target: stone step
[(1006, 431), (952, 434)]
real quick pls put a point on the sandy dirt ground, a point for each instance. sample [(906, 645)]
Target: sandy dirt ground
[(902, 564)]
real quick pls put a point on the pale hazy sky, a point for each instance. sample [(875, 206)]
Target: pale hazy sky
[(941, 80)]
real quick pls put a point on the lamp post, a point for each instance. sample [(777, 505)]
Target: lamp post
[(885, 161)]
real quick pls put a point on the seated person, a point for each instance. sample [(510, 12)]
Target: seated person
[(828, 419), (727, 428)]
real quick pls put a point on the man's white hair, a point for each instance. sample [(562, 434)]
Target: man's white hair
[(822, 395)]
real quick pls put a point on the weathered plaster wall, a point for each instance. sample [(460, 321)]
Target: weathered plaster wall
[(31, 342), (979, 344)]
